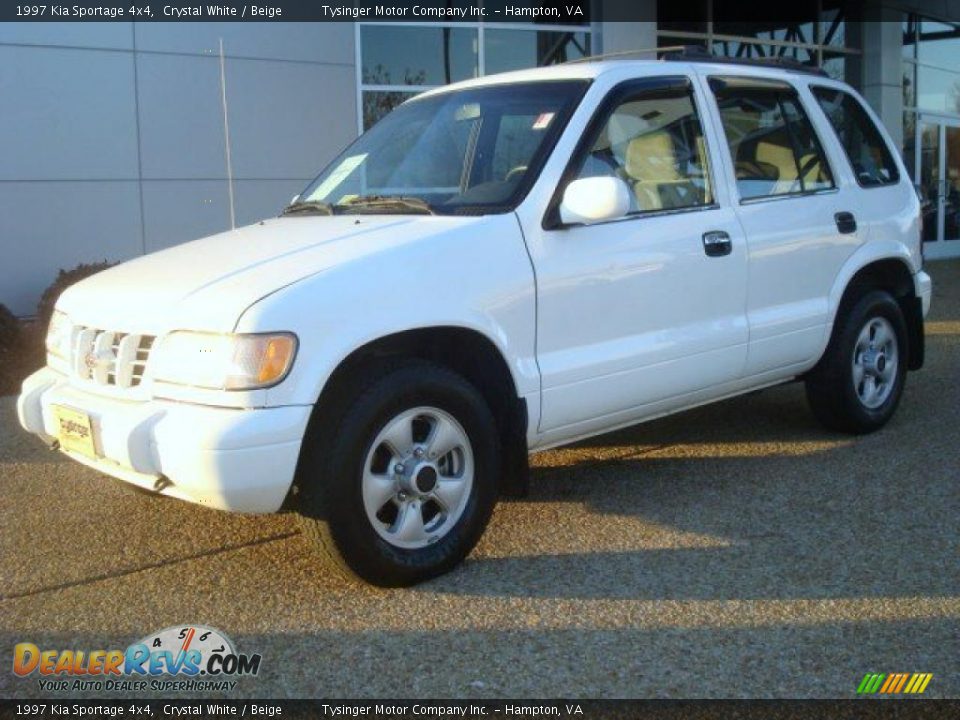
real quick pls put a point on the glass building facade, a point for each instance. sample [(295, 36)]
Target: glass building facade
[(399, 60), (931, 124)]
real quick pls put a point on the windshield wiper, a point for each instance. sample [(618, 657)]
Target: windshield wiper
[(311, 207), (387, 202)]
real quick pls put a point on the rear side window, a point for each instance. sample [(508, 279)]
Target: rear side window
[(869, 156), (774, 148)]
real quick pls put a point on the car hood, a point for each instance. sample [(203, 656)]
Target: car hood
[(208, 283)]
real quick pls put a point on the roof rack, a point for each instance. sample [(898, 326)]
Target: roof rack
[(698, 53)]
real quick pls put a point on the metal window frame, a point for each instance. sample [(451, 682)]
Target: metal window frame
[(816, 47), (915, 64)]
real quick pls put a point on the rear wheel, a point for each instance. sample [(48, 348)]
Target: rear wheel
[(857, 385), (401, 488)]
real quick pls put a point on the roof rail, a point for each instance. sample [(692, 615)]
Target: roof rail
[(698, 53)]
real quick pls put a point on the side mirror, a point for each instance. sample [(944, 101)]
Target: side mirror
[(594, 199)]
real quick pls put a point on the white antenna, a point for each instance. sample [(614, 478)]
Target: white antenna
[(226, 136)]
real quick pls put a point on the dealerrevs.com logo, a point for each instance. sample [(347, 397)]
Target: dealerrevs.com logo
[(184, 657)]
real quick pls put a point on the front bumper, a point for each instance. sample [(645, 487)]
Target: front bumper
[(230, 459)]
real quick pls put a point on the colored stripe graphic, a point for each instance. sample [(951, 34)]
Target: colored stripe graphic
[(903, 679), (894, 683), (871, 683), (918, 683)]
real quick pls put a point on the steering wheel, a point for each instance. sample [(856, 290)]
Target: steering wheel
[(515, 173)]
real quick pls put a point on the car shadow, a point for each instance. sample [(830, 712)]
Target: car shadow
[(749, 498)]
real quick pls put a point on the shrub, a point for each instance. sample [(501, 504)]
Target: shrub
[(65, 278), (21, 351), (9, 332)]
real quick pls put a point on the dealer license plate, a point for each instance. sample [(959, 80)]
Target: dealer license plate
[(74, 430)]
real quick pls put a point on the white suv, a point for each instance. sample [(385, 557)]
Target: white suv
[(500, 266)]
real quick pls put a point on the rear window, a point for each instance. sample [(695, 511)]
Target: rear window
[(868, 154)]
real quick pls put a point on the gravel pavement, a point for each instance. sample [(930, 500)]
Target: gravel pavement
[(737, 550)]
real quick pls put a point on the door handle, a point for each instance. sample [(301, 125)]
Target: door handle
[(716, 243), (846, 222)]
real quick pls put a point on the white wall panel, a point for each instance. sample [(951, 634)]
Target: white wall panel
[(259, 199), (116, 35), (181, 117), (311, 42), (45, 226), (176, 211), (91, 110), (66, 114), (288, 120)]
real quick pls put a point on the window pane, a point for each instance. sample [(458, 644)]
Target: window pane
[(796, 23), (929, 179), (868, 154), (750, 50), (773, 146), (654, 143), (939, 44), (518, 49), (951, 198), (938, 90), (839, 67), (838, 22), (377, 104), (401, 55)]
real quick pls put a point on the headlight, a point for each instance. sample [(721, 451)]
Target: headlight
[(224, 362), (59, 335)]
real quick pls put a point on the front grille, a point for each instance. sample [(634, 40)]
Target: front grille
[(111, 358)]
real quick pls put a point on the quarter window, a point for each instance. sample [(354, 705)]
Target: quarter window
[(869, 156), (653, 141), (772, 143)]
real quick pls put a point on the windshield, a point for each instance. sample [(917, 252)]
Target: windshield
[(473, 151)]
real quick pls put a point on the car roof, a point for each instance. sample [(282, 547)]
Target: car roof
[(590, 70)]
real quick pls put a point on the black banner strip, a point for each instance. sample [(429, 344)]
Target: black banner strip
[(858, 709)]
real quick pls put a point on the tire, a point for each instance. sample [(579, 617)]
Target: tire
[(857, 385), (373, 509)]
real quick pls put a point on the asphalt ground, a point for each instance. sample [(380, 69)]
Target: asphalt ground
[(737, 550)]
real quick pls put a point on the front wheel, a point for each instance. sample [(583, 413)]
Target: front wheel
[(401, 489), (857, 385)]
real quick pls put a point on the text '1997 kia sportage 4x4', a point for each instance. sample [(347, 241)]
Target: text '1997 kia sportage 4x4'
[(497, 267)]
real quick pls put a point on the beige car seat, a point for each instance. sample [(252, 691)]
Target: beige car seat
[(781, 157), (651, 165)]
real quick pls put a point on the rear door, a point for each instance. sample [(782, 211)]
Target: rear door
[(801, 223)]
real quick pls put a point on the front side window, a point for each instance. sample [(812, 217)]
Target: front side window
[(868, 154), (653, 141), (773, 146), (469, 151)]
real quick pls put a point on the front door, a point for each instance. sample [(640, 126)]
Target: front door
[(644, 311)]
